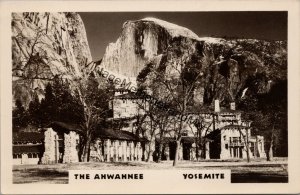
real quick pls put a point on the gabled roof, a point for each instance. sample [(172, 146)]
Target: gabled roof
[(65, 127), (184, 139), (28, 137), (28, 149), (118, 135)]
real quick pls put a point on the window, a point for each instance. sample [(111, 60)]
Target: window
[(184, 134), (235, 141), (226, 146)]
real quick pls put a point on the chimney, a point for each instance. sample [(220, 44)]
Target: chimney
[(232, 106), (217, 106)]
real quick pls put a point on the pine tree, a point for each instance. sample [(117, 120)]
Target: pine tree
[(20, 116), (34, 112)]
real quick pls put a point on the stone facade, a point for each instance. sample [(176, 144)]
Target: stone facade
[(226, 137), (231, 143), (50, 154), (71, 141), (60, 149)]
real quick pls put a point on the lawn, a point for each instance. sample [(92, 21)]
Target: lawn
[(241, 172)]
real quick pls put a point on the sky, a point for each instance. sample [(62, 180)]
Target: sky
[(103, 28)]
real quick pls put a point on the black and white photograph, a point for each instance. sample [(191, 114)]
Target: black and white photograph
[(192, 92), (158, 96)]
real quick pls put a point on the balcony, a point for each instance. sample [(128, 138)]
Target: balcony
[(236, 144)]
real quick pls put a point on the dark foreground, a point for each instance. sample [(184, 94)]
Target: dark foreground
[(276, 173), (259, 171)]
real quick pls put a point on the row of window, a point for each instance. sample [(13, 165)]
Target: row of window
[(118, 142), (30, 155)]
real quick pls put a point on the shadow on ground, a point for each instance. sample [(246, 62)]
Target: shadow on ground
[(40, 176)]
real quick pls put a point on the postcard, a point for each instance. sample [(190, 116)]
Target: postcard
[(135, 97)]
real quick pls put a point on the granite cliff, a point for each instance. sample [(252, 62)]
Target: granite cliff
[(44, 46), (228, 67), (48, 45)]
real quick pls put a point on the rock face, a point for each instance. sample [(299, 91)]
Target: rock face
[(45, 45), (228, 68)]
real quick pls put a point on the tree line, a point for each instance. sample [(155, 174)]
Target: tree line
[(86, 105)]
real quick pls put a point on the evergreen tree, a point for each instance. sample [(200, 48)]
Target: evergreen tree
[(34, 112), (20, 116)]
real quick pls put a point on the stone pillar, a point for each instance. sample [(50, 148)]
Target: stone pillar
[(70, 152), (128, 151), (116, 151), (124, 148), (167, 151), (138, 151), (192, 154), (207, 155), (150, 147), (141, 152), (260, 146), (131, 145), (263, 147), (112, 152), (49, 155), (107, 149), (180, 152), (120, 150), (99, 153), (244, 152)]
